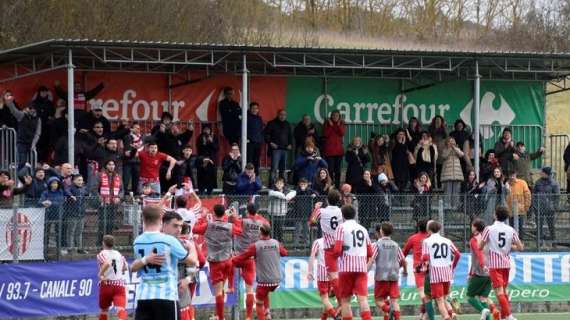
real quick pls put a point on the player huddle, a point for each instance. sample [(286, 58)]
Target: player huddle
[(345, 254), (171, 250)]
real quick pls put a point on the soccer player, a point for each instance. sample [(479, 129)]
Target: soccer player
[(388, 258), (251, 225), (479, 285), (500, 238), (112, 267), (329, 219), (157, 294), (266, 253), (441, 256), (414, 245), (218, 234), (323, 283), (352, 248)]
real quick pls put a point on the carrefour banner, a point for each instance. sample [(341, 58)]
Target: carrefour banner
[(533, 277), (71, 288)]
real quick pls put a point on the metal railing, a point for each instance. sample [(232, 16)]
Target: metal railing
[(8, 150), (555, 151)]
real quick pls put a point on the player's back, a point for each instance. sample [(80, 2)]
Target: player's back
[(267, 263), (355, 243), (329, 220), (499, 238), (414, 244), (219, 237), (159, 281), (388, 256), (250, 232), (319, 253), (117, 264), (441, 252)]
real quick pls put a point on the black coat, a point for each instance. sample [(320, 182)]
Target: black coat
[(170, 144), (279, 132), (356, 161), (301, 133), (400, 164), (230, 112)]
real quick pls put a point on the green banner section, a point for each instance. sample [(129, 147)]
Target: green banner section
[(288, 299)]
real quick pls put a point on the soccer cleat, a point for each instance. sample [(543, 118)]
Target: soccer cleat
[(485, 313), (511, 317), (420, 316), (455, 305)]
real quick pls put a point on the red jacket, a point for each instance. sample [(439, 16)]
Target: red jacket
[(333, 134)]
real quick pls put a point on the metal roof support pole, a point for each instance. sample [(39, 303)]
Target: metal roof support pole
[(170, 109), (244, 106), (476, 124), (70, 111)]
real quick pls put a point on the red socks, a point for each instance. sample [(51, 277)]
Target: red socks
[(397, 315), (334, 285), (505, 305), (324, 316), (103, 316), (191, 313), (220, 307), (260, 310), (249, 300), (366, 315), (122, 314), (346, 318), (331, 313)]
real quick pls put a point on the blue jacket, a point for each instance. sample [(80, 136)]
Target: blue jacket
[(307, 168), (245, 187), (79, 205), (36, 188), (254, 128), (56, 197)]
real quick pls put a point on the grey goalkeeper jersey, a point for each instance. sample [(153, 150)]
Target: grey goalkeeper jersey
[(267, 261), (387, 260), (219, 236)]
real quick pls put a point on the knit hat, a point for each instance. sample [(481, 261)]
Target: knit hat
[(547, 170), (382, 178)]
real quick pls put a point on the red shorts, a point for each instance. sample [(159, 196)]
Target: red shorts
[(262, 292), (324, 287), (220, 271), (185, 313), (499, 277), (112, 294), (350, 283), (439, 290), (331, 261), (247, 271), (420, 277), (385, 289)]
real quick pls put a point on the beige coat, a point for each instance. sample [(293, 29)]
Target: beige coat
[(451, 168)]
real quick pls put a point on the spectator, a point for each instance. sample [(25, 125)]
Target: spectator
[(385, 189), (348, 198), (413, 133), (488, 165), (279, 137), (169, 136), (42, 102), (473, 201), (279, 198), (357, 158), (521, 162), (365, 190), (323, 183), (303, 130), (132, 144), (231, 165), (545, 199), (88, 120), (308, 163), (93, 145), (110, 190), (254, 135), (80, 96), (8, 189), (401, 157), (451, 174), (52, 199), (365, 185), (150, 161), (438, 134), (421, 202), (6, 117), (38, 185), (519, 199), (207, 171), (380, 151), (75, 217), (426, 155), (504, 150), (111, 152), (29, 130), (302, 207), (495, 190), (230, 112), (460, 133), (567, 168), (186, 167), (333, 135), (248, 183)]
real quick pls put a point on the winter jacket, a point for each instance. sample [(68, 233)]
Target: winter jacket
[(519, 193), (545, 195), (567, 158), (29, 127), (279, 201), (307, 165), (230, 112), (504, 152), (451, 169), (333, 136), (356, 160), (254, 128), (522, 165), (279, 132), (207, 148), (56, 197), (400, 164), (301, 133), (245, 187), (170, 144), (81, 195), (232, 169), (424, 164)]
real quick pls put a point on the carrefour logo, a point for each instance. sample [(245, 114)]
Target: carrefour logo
[(488, 115)]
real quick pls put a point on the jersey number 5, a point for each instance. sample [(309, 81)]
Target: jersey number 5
[(502, 239)]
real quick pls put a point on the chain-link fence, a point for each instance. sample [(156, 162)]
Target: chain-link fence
[(73, 228)]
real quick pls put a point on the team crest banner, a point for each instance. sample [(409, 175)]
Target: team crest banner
[(27, 225)]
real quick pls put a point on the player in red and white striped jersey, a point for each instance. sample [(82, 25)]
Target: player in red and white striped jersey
[(352, 249), (112, 267), (442, 257), (329, 219), (323, 283), (500, 239)]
